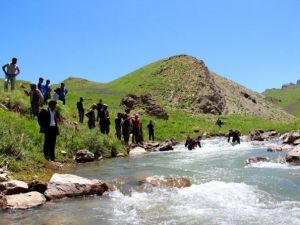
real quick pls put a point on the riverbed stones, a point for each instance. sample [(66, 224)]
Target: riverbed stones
[(262, 135), (293, 156), (137, 151), (256, 159), (25, 200), (84, 155), (163, 182), (3, 177), (69, 185), (291, 138), (3, 201), (13, 187), (38, 186)]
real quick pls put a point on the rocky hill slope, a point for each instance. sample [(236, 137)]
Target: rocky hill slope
[(184, 82)]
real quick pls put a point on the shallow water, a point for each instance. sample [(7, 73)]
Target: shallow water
[(224, 190)]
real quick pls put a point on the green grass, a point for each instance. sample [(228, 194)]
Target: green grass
[(21, 142), (289, 99)]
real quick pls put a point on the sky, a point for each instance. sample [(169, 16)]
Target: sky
[(253, 42)]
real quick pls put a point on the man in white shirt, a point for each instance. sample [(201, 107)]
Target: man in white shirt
[(11, 70)]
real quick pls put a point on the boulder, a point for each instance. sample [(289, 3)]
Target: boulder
[(68, 185), (290, 138), (84, 155), (257, 159), (38, 186), (293, 156), (137, 151), (167, 145), (25, 200), (279, 148), (261, 135), (166, 182), (151, 146), (3, 177), (13, 187), (3, 201)]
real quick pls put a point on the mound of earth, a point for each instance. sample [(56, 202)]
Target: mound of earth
[(145, 102)]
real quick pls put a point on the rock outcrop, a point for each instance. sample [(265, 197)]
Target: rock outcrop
[(291, 137), (25, 200), (12, 187), (166, 182), (262, 135), (145, 102), (84, 155), (293, 156), (68, 185)]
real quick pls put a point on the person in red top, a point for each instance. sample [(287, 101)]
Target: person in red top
[(136, 129)]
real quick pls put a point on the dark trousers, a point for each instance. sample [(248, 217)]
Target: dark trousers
[(49, 144), (81, 115), (151, 135), (135, 135), (104, 127), (118, 132), (63, 100)]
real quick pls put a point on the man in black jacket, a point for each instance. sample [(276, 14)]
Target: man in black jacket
[(48, 124)]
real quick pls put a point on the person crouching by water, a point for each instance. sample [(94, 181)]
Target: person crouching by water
[(48, 125), (235, 134), (192, 143), (91, 116)]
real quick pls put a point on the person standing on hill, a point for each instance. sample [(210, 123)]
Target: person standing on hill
[(80, 109), (126, 126), (11, 70), (36, 99), (46, 91), (91, 115), (118, 126), (135, 129), (104, 120), (150, 127), (48, 125), (40, 84), (62, 92), (99, 108)]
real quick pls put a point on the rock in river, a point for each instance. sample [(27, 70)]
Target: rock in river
[(68, 185), (13, 187), (25, 200), (257, 159), (166, 182)]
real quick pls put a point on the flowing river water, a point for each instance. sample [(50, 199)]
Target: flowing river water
[(223, 190)]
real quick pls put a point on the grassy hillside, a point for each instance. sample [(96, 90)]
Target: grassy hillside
[(286, 98), (21, 143)]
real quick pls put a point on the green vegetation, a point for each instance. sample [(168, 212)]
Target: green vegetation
[(286, 98), (21, 143)]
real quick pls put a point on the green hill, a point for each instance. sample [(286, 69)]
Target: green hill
[(286, 98), (192, 96)]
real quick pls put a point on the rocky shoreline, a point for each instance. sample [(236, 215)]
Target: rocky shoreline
[(15, 194)]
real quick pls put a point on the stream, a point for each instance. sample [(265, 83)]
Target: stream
[(224, 190)]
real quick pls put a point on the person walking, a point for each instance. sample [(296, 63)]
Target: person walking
[(11, 70), (126, 126), (150, 127), (36, 99), (40, 84), (99, 108), (80, 109), (48, 125)]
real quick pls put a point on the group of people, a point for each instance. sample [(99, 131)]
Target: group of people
[(125, 124)]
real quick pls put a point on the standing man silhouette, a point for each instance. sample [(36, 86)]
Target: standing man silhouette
[(11, 70)]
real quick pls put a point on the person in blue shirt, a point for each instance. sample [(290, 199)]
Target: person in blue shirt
[(62, 92)]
